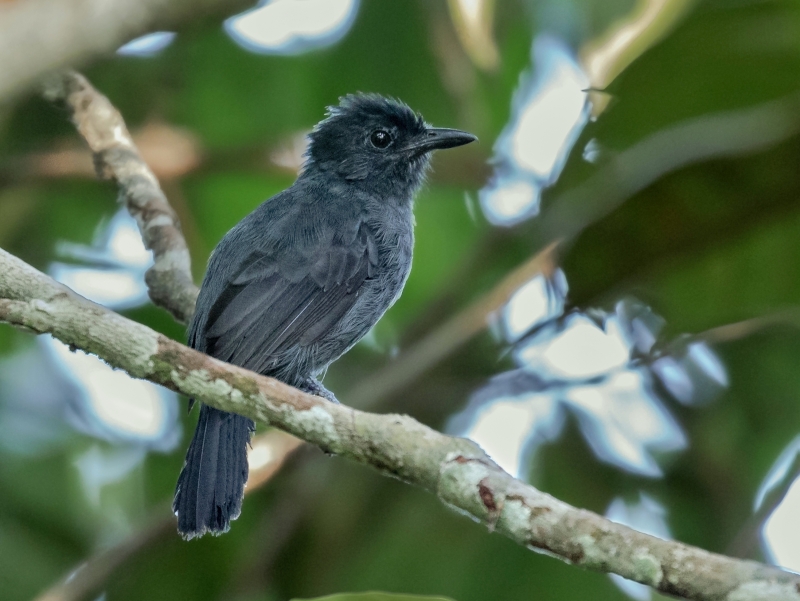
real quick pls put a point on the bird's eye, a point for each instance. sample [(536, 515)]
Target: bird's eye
[(380, 138)]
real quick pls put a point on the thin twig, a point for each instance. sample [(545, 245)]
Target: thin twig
[(456, 470), (169, 280), (87, 578), (91, 575), (620, 176), (747, 327)]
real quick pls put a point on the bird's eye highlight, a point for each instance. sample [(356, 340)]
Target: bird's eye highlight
[(380, 138)]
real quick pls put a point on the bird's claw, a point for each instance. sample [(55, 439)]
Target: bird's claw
[(315, 387)]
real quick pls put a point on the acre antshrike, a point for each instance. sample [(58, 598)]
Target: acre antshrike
[(303, 278)]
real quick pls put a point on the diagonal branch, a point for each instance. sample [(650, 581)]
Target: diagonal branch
[(169, 280), (456, 470), (95, 571)]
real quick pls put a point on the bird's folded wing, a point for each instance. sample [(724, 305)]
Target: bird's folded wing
[(276, 304)]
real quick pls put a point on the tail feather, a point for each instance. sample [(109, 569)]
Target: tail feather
[(211, 485)]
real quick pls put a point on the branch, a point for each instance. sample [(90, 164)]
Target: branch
[(169, 280), (725, 134), (91, 574), (789, 317), (39, 36), (98, 568), (456, 470), (169, 285)]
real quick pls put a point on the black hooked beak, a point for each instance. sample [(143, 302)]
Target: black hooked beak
[(437, 138)]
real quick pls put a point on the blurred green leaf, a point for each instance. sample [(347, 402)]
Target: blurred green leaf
[(705, 244), (374, 596)]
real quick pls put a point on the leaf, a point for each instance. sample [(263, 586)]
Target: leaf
[(375, 596)]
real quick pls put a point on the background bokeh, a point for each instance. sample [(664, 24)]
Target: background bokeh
[(648, 374)]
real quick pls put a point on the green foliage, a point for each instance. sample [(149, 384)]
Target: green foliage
[(707, 244), (374, 596)]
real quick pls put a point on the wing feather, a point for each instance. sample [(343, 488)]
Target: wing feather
[(266, 308)]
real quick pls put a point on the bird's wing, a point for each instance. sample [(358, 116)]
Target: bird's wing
[(276, 303)]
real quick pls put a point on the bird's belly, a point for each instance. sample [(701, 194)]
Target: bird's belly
[(375, 297)]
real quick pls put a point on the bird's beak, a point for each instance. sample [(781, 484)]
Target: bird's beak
[(436, 138)]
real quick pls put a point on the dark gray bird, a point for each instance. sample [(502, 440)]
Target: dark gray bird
[(303, 278)]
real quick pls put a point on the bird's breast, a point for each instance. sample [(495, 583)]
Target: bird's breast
[(394, 238), (395, 248)]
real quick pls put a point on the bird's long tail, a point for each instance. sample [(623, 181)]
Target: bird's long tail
[(211, 485)]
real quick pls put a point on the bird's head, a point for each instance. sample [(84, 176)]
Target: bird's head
[(377, 143)]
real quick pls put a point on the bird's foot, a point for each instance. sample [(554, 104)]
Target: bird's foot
[(315, 387)]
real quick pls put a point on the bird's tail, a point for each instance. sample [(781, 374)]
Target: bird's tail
[(211, 485)]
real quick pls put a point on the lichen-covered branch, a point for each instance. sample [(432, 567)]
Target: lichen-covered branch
[(169, 280), (39, 36), (454, 469)]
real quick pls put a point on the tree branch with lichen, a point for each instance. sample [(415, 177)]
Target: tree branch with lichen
[(169, 280), (456, 470)]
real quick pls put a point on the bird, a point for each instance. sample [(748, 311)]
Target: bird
[(300, 280)]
